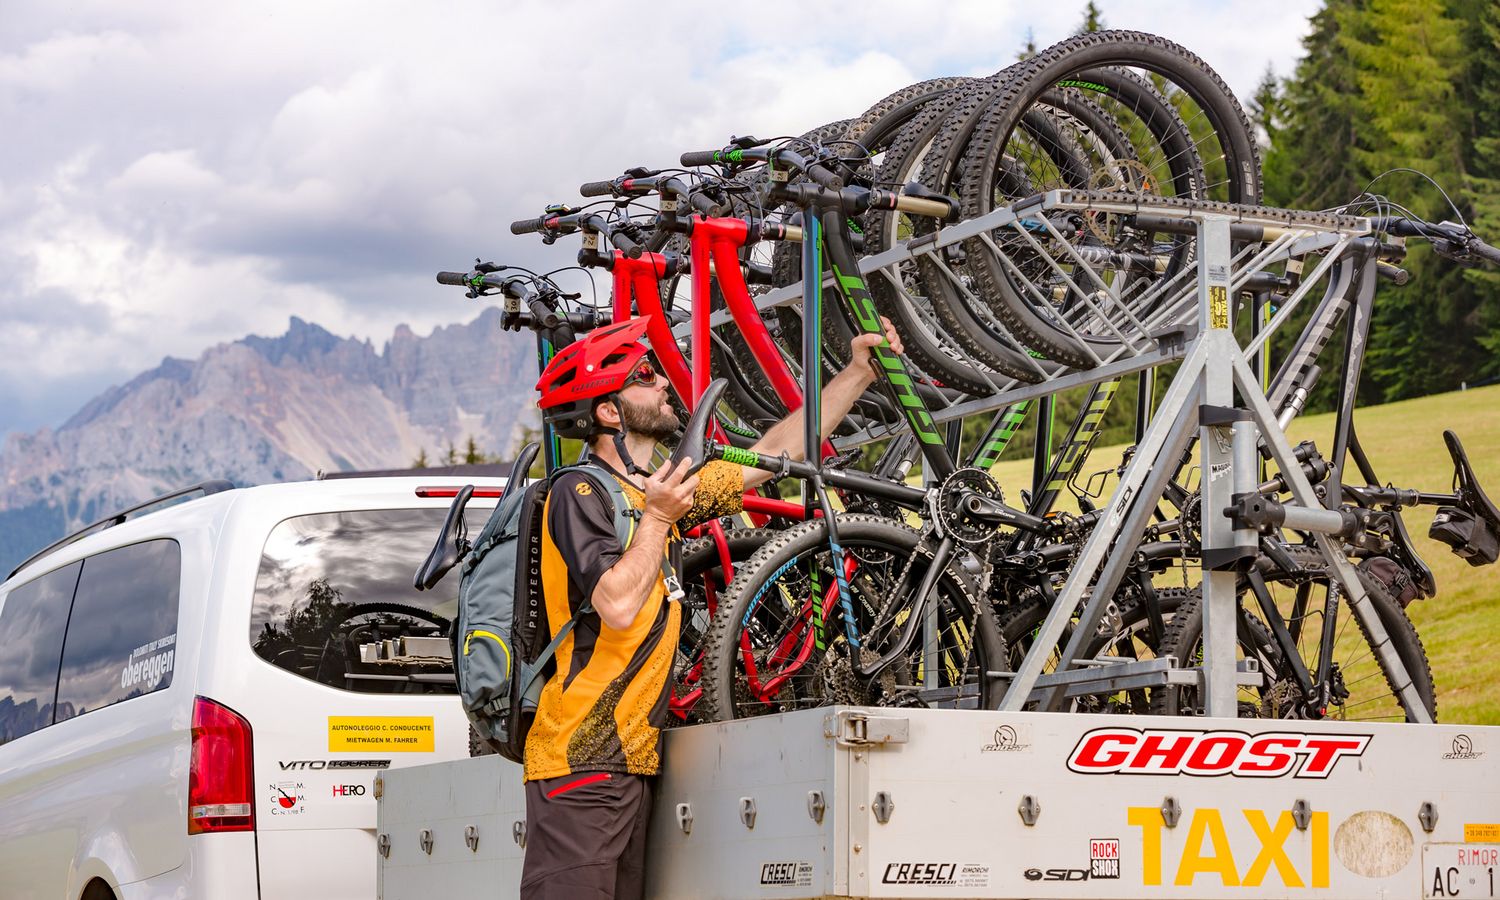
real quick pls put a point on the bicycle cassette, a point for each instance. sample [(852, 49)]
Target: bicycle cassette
[(947, 506)]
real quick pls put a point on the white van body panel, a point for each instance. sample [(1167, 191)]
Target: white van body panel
[(104, 794)]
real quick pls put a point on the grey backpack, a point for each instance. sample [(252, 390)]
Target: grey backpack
[(502, 653)]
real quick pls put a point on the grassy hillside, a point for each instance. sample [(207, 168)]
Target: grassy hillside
[(1405, 443)]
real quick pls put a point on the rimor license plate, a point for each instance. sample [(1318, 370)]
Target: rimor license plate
[(1460, 870)]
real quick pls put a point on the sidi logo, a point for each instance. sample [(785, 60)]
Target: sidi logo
[(1132, 751)]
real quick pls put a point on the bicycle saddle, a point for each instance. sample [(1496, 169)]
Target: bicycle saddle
[(453, 539), (452, 544), (1466, 483), (695, 443)]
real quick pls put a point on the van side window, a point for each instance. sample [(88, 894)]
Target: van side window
[(32, 619), (122, 637), (334, 601)]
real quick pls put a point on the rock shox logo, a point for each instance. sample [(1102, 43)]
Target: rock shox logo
[(1005, 741), (786, 874), (1463, 748), (1104, 858), (937, 874), (1133, 751)]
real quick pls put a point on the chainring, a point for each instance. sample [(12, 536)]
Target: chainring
[(952, 519)]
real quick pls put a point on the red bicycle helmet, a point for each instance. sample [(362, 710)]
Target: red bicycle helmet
[(585, 370)]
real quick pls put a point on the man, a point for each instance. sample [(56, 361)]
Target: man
[(595, 744)]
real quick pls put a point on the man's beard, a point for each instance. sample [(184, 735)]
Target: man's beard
[(649, 420)]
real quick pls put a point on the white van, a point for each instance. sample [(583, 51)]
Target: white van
[(195, 702)]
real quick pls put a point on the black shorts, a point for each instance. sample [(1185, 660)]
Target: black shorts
[(586, 837)]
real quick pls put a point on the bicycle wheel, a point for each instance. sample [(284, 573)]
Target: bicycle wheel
[(779, 643), (906, 298), (1359, 689), (1071, 330), (704, 582)]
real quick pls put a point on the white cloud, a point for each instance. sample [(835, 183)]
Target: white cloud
[(191, 172)]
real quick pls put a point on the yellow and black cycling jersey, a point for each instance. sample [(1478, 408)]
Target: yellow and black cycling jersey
[(604, 707)]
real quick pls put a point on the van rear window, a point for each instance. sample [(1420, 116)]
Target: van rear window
[(334, 601)]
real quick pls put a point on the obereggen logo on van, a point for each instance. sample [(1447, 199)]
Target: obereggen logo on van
[(148, 663)]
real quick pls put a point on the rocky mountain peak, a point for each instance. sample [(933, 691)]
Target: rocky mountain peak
[(264, 409)]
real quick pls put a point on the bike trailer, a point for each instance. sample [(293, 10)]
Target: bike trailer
[(955, 803)]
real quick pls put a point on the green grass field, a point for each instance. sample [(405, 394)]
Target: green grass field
[(1405, 443)]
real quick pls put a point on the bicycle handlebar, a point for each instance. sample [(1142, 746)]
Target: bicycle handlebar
[(790, 159), (1448, 238), (529, 226), (625, 243), (695, 158), (597, 188), (457, 279)]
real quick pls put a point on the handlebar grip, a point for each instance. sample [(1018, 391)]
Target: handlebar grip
[(699, 158), (597, 188), (528, 226), (455, 278), (824, 178), (701, 202), (625, 243), (1485, 251)]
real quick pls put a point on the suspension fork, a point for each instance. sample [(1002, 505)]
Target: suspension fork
[(1284, 639), (812, 411), (715, 247), (638, 282), (551, 444)]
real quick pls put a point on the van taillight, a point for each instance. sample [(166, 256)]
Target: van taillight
[(221, 773)]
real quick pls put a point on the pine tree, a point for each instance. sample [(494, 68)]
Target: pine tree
[(1266, 109), (1309, 166), (1409, 57), (1093, 19), (1480, 95), (1029, 50), (421, 461), (472, 454), (451, 457), (1408, 62)]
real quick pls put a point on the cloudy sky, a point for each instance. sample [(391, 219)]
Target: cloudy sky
[(176, 174)]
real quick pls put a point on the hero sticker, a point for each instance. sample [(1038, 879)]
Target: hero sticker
[(149, 663)]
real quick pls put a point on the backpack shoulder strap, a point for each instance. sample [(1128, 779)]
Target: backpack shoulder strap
[(625, 514), (625, 518)]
